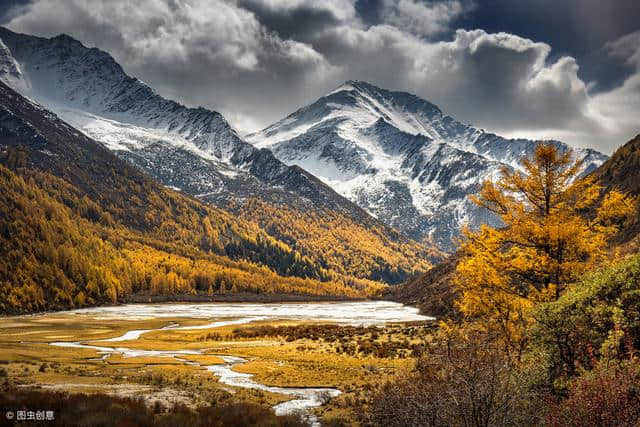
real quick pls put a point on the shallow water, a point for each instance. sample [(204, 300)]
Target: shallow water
[(356, 313), (352, 313), (305, 398)]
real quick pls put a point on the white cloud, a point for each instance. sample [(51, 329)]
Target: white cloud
[(500, 81), (611, 118), (627, 48), (221, 54), (168, 31), (342, 10), (201, 52), (618, 110), (425, 19)]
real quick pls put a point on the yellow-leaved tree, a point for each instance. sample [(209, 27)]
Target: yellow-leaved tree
[(555, 227)]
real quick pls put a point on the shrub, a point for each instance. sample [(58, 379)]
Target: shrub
[(597, 317), (101, 410), (458, 382), (609, 395)]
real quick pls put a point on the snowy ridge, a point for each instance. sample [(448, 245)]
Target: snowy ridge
[(91, 81), (399, 157), (360, 148), (194, 150)]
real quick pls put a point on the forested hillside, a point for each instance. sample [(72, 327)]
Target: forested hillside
[(79, 226), (432, 292), (195, 151), (622, 171), (340, 244)]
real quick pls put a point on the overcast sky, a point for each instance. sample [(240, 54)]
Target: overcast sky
[(563, 69)]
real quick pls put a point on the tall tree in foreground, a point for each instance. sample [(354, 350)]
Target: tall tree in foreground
[(556, 227)]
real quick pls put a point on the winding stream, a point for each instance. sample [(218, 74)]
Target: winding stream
[(303, 399)]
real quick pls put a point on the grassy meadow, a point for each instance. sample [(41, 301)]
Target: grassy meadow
[(353, 359)]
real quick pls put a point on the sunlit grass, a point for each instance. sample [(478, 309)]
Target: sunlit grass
[(30, 361)]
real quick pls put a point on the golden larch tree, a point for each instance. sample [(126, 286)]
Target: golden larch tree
[(556, 226)]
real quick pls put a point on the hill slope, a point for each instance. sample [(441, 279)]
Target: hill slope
[(79, 226), (432, 292), (622, 171)]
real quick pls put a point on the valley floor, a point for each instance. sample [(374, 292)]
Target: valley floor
[(277, 353), (146, 297)]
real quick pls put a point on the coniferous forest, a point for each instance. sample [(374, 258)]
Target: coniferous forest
[(99, 231)]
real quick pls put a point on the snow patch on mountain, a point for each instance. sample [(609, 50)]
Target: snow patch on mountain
[(399, 157), (10, 71), (69, 78), (193, 149)]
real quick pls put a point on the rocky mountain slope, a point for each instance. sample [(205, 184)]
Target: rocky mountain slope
[(190, 149), (399, 157), (78, 226), (195, 151)]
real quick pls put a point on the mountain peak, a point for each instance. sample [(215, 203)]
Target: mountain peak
[(401, 99), (360, 84), (398, 156), (67, 39)]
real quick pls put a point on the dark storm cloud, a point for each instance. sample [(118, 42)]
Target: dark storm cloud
[(573, 27), (9, 9), (258, 60), (579, 28), (299, 22)]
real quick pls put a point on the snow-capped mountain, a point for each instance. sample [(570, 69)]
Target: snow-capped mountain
[(391, 154), (399, 157), (193, 150)]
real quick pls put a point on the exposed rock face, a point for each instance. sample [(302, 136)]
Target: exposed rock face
[(399, 157)]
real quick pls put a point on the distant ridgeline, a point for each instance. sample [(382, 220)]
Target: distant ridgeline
[(80, 227)]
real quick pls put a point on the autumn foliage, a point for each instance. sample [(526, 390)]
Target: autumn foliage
[(550, 326), (60, 249), (609, 395), (102, 410), (340, 244), (556, 226)]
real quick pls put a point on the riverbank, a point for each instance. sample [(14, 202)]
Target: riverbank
[(165, 352), (240, 297), (234, 297)]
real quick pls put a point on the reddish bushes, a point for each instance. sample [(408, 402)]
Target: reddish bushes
[(606, 396), (457, 383)]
